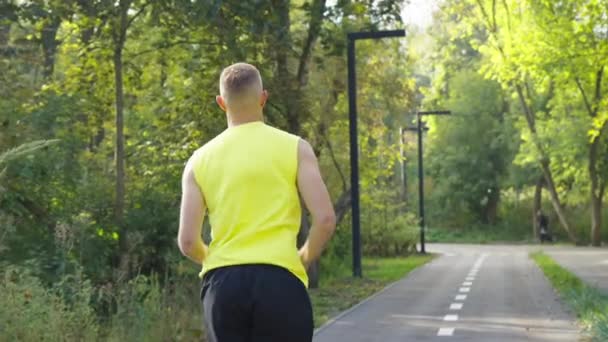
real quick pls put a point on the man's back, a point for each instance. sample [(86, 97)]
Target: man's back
[(248, 176), (250, 179)]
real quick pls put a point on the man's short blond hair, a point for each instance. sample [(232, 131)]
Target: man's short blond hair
[(241, 85)]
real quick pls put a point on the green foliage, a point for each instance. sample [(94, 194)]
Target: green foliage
[(336, 261), (481, 234), (57, 212), (147, 311), (396, 237), (587, 302), (72, 309), (33, 312), (23, 150), (548, 60), (468, 162)]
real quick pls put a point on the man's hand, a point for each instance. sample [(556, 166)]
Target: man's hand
[(192, 213), (303, 253)]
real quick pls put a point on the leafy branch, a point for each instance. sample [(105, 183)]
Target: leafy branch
[(23, 150)]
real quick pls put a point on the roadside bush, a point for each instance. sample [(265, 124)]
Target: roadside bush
[(141, 309), (336, 261), (398, 237), (146, 311), (32, 312)]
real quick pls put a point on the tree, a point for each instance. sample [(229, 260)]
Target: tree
[(468, 162), (576, 36), (506, 25), (145, 73)]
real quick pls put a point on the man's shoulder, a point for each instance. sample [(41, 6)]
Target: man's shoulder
[(282, 133), (206, 147)]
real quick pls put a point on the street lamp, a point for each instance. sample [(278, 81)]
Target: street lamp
[(421, 172), (354, 148), (403, 171)]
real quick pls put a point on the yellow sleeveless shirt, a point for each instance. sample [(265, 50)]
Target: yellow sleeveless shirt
[(248, 177)]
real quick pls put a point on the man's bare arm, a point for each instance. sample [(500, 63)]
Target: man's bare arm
[(317, 201), (192, 213)]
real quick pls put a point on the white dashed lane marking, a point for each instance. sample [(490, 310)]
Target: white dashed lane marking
[(460, 297), (456, 306), (445, 332), (466, 288), (450, 318)]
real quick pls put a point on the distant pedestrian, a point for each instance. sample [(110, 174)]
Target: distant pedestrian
[(543, 225)]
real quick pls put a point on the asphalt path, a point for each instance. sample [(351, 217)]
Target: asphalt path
[(589, 264), (469, 293)]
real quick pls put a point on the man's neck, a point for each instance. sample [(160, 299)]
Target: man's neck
[(241, 119)]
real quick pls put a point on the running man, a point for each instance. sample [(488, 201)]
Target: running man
[(249, 180)]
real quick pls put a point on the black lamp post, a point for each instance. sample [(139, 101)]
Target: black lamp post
[(421, 173), (354, 148)]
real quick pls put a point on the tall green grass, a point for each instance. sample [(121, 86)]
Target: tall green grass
[(72, 310), (478, 235), (146, 309), (590, 306)]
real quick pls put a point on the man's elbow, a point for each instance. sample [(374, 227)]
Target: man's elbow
[(186, 246), (327, 222)]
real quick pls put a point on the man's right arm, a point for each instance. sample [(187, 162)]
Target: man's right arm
[(316, 198)]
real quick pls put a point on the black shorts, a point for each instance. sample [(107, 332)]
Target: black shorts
[(255, 303)]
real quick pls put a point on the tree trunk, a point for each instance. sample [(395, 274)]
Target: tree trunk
[(89, 9), (5, 34), (601, 200), (313, 275), (596, 198), (119, 154), (314, 28), (544, 164), (285, 81), (48, 36), (538, 196), (5, 37), (342, 205), (403, 167), (290, 87), (593, 108), (557, 206)]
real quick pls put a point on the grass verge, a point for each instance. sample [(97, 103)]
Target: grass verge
[(339, 294), (476, 235), (590, 306)]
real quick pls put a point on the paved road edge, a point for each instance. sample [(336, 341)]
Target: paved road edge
[(333, 320)]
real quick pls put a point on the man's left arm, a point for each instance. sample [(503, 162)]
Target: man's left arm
[(191, 217)]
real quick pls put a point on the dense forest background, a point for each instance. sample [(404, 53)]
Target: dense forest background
[(104, 101)]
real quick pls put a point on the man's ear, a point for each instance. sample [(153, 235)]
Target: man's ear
[(264, 98), (220, 102)]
